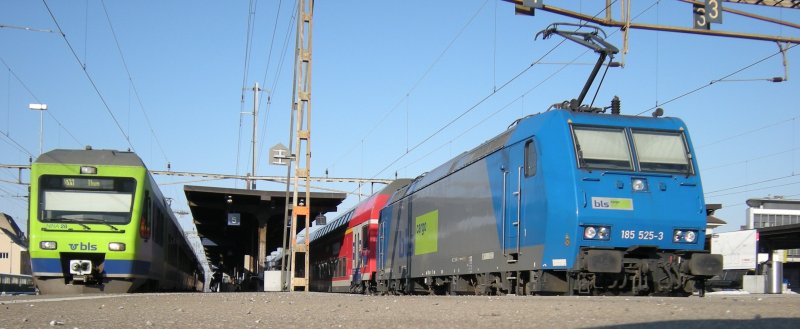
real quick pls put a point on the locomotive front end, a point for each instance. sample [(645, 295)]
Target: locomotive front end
[(641, 212), (82, 228)]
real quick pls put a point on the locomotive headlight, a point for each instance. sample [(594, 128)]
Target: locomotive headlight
[(603, 233), (677, 236), (684, 236), (88, 170), (639, 184), (589, 232), (48, 245), (690, 236), (116, 246)]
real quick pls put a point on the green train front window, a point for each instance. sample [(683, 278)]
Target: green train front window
[(80, 199)]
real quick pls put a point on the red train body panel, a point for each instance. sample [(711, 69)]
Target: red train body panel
[(343, 252)]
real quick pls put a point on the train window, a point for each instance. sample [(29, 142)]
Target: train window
[(661, 151), (365, 237), (69, 199), (158, 226), (602, 148), (530, 159)]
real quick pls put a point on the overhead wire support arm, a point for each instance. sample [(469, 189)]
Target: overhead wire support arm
[(25, 28), (591, 40), (610, 22)]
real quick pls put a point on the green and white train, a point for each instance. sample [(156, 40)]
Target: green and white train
[(99, 223)]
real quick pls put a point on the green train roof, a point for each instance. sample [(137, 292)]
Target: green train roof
[(93, 157)]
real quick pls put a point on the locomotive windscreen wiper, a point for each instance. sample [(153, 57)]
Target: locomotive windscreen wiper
[(591, 40)]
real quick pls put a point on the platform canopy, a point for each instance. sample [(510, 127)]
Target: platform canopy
[(257, 230), (779, 237)]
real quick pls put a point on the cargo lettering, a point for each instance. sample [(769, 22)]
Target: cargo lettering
[(421, 228), (426, 237), (83, 246)]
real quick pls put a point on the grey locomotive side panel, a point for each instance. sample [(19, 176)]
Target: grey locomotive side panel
[(466, 238), (467, 233)]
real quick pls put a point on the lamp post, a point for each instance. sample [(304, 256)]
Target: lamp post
[(41, 108)]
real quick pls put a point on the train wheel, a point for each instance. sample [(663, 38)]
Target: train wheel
[(701, 287)]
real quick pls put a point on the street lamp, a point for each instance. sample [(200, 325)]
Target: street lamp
[(41, 108)]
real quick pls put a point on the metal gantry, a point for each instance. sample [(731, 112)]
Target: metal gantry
[(625, 23), (301, 204)]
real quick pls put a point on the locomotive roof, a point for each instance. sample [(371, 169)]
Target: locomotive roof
[(464, 159), (95, 157)]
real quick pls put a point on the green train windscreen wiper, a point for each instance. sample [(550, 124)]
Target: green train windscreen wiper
[(98, 221)]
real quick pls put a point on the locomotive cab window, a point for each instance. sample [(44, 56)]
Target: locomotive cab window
[(602, 148), (530, 158), (69, 199), (662, 151)]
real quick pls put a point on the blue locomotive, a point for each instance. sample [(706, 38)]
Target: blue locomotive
[(563, 202)]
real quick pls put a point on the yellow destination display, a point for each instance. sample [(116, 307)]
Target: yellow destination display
[(88, 183)]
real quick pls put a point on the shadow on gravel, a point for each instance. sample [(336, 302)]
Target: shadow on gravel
[(772, 323)]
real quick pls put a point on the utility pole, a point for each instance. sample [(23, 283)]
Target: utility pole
[(251, 184), (301, 204)]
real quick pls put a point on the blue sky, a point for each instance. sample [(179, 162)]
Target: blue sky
[(386, 77)]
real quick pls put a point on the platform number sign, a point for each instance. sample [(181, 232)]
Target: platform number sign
[(714, 11), (234, 219), (705, 14)]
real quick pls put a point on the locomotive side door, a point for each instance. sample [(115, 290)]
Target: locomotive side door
[(520, 166), (512, 198)]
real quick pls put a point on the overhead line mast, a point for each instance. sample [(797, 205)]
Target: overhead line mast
[(301, 108)]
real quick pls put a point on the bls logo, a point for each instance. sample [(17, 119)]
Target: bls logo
[(83, 247), (600, 203), (612, 203)]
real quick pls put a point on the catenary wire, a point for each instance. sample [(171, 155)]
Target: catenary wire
[(88, 76), (133, 85), (49, 113), (278, 72), (501, 109), (762, 157), (745, 203), (526, 93), (413, 86), (481, 101), (269, 92), (279, 69), (751, 190), (750, 131), (15, 144), (248, 44), (712, 82), (751, 184)]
